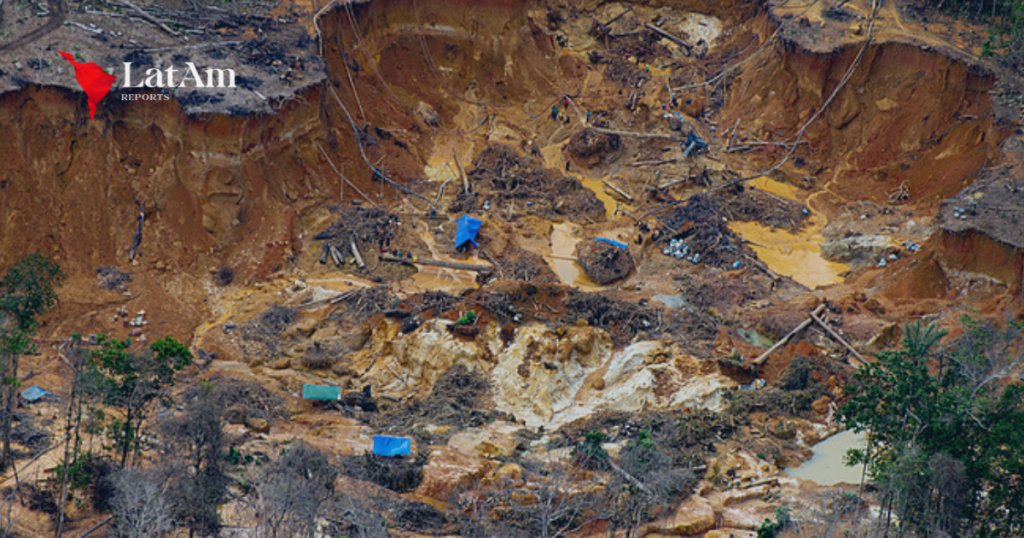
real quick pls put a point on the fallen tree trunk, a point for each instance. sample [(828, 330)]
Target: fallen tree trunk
[(803, 325), (438, 263), (355, 252), (336, 255), (670, 37), (837, 338), (617, 190)]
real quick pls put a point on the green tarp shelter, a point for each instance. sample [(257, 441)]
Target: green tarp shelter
[(317, 392)]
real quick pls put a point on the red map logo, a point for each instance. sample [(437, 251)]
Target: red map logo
[(93, 79)]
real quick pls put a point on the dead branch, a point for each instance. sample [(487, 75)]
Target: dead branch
[(670, 37), (837, 338), (195, 47), (803, 325), (619, 191), (654, 163), (462, 173), (358, 256), (149, 17)]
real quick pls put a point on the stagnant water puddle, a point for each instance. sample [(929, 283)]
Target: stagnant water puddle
[(794, 255), (564, 237), (826, 466), (598, 188)]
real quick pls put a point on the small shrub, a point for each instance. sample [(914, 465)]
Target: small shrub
[(589, 451), (398, 474), (468, 318), (224, 276), (318, 356)]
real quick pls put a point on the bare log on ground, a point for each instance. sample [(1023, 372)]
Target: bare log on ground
[(438, 263), (803, 325)]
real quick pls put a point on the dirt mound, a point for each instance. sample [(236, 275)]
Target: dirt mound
[(526, 266), (369, 228), (258, 401), (261, 336), (746, 204), (709, 287), (700, 224), (454, 400), (624, 320), (590, 148), (502, 177), (604, 263), (360, 306)]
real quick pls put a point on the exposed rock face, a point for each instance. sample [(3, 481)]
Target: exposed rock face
[(540, 374), (542, 378), (491, 441), (258, 425), (450, 471), (410, 365), (693, 517), (859, 250)]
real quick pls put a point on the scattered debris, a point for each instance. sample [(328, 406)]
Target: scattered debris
[(111, 278), (505, 177)]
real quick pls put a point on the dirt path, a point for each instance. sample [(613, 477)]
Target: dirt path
[(60, 11)]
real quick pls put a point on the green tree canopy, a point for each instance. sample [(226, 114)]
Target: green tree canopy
[(28, 289), (945, 430)]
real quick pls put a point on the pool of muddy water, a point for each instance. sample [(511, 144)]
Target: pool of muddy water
[(826, 467), (796, 255)]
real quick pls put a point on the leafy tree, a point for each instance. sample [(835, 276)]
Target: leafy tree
[(131, 381), (28, 289), (945, 437)]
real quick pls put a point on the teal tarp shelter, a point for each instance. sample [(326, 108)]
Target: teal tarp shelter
[(317, 392), (384, 445), (467, 228)]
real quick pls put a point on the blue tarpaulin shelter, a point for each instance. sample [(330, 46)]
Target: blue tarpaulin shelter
[(467, 229), (391, 446), (317, 392), (35, 393)]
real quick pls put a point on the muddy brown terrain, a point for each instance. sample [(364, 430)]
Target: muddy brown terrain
[(666, 190)]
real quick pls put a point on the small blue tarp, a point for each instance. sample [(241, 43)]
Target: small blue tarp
[(35, 393), (611, 242), (391, 446), (467, 229)]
